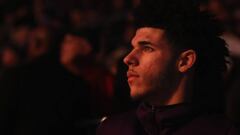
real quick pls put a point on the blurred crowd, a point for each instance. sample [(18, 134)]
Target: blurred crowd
[(227, 14), (61, 63), (32, 28)]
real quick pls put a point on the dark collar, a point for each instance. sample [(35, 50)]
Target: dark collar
[(154, 119)]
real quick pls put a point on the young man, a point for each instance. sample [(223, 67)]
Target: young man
[(175, 69)]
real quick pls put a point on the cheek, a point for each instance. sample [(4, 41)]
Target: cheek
[(153, 67), (154, 71)]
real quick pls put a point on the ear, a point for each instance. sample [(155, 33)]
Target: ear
[(186, 60)]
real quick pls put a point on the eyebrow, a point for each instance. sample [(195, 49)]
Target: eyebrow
[(144, 42)]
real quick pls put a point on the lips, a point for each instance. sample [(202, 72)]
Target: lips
[(131, 75)]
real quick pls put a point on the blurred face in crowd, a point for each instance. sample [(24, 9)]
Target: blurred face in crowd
[(216, 8), (151, 64), (20, 35), (73, 47), (39, 42), (233, 9), (77, 18), (9, 58)]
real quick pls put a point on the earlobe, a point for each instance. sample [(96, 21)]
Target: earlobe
[(186, 60)]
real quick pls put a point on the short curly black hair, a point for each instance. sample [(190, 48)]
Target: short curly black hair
[(188, 28)]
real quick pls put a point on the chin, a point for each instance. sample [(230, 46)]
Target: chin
[(135, 95)]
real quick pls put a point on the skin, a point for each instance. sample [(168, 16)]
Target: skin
[(155, 74), (72, 47)]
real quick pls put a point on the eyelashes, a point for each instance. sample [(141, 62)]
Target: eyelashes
[(147, 49)]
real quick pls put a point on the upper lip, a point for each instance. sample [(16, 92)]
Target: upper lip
[(131, 73)]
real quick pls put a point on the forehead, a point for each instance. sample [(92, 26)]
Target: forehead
[(153, 35)]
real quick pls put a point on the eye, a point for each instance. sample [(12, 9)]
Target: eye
[(147, 49)]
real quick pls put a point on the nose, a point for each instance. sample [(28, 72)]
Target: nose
[(131, 59)]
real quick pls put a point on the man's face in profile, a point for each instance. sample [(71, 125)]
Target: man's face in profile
[(151, 64)]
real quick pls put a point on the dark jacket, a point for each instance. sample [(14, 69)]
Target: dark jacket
[(169, 120), (42, 98)]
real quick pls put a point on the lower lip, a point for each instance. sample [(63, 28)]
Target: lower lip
[(131, 79)]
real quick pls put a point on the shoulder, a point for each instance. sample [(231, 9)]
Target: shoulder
[(118, 124), (210, 124)]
